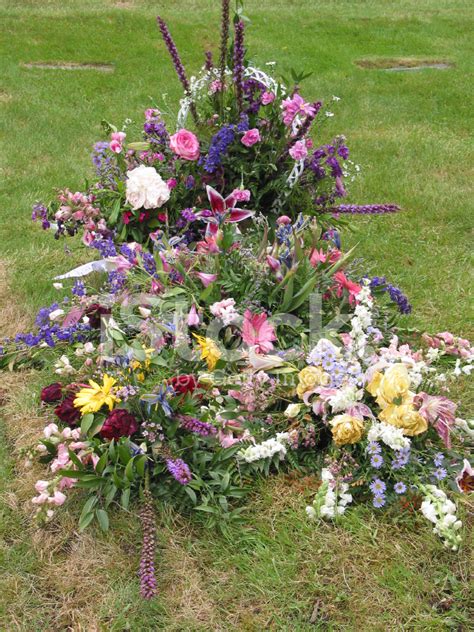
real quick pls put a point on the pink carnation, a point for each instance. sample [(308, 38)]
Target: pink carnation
[(299, 151), (251, 137), (241, 195), (267, 98)]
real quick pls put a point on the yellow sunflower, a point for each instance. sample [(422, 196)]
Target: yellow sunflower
[(209, 351), (91, 399)]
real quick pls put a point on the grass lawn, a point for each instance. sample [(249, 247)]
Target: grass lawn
[(410, 132)]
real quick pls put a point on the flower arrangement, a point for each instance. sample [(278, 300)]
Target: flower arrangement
[(215, 343)]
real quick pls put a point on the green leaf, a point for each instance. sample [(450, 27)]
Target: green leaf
[(140, 463), (114, 215), (191, 493), (86, 423), (102, 519), (101, 463), (124, 453), (129, 470), (85, 521), (125, 498), (206, 509)]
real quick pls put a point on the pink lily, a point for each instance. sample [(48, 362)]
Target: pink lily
[(258, 332), (205, 278), (343, 283), (222, 211), (193, 317)]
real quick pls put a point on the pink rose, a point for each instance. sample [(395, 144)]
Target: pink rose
[(299, 151), (241, 195), (185, 145), (251, 137), (267, 98)]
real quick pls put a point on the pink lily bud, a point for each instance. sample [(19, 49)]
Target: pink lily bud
[(193, 317), (205, 278)]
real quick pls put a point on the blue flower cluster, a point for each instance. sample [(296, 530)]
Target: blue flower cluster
[(52, 333), (106, 247), (221, 142), (396, 295), (106, 168)]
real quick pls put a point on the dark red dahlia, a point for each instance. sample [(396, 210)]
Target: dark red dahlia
[(119, 423), (52, 393), (183, 384), (67, 412)]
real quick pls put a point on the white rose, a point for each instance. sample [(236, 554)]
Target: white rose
[(146, 188)]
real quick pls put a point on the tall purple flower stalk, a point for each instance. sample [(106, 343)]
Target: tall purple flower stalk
[(179, 470), (224, 40), (146, 573), (209, 64), (365, 209), (239, 53), (178, 64), (191, 424)]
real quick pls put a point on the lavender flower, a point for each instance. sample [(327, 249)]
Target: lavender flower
[(196, 426), (438, 459), (365, 209), (106, 247), (378, 501), (377, 461), (374, 448), (440, 473), (402, 459), (179, 470), (116, 281), (106, 168), (377, 486), (40, 212), (400, 488), (218, 148), (239, 53), (146, 573)]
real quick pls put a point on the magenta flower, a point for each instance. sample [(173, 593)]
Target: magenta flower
[(299, 150), (116, 142), (294, 106), (251, 137), (258, 332), (222, 211)]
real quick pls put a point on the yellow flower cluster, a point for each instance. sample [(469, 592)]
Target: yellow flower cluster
[(392, 393), (309, 378), (209, 351), (91, 399)]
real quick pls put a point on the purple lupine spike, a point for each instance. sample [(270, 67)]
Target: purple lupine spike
[(224, 40), (146, 573), (178, 64), (209, 65), (192, 424), (239, 53), (179, 470), (365, 209)]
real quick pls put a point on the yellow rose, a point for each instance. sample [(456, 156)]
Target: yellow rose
[(390, 387), (406, 418), (346, 429), (310, 377)]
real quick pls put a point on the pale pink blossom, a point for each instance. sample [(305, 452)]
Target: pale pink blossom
[(49, 430), (58, 498), (205, 278), (267, 97), (225, 310), (116, 142), (241, 195), (439, 411), (41, 486), (294, 106), (193, 317), (283, 220)]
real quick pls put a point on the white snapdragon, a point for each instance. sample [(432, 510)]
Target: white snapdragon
[(361, 321), (63, 366), (145, 188), (292, 410), (441, 511), (388, 434), (331, 500), (56, 314), (267, 449)]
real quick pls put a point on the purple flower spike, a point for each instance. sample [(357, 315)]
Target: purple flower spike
[(224, 40), (146, 573), (365, 209), (239, 53), (179, 470)]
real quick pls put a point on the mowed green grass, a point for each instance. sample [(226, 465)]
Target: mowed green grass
[(410, 133)]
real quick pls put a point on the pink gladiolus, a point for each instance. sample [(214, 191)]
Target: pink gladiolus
[(317, 256), (206, 279), (258, 332), (193, 317), (299, 151), (343, 283), (251, 137)]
